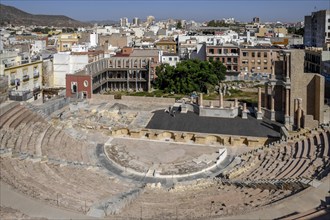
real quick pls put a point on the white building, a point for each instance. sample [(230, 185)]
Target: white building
[(65, 63), (94, 39), (38, 46), (170, 58)]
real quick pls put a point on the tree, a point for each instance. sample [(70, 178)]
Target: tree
[(214, 23), (189, 76), (298, 31), (179, 25)]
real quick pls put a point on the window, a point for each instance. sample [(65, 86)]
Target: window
[(170, 59), (265, 67), (219, 51), (211, 51), (259, 54), (73, 87), (258, 68), (253, 54), (175, 59), (245, 54), (265, 54)]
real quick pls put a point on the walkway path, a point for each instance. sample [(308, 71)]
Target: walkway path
[(34, 208)]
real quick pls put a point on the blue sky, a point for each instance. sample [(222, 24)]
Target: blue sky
[(199, 10)]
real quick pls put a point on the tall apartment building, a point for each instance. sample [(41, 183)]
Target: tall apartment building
[(317, 60), (136, 22), (227, 54), (257, 59), (124, 22), (317, 29)]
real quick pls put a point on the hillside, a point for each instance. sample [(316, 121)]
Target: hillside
[(14, 16)]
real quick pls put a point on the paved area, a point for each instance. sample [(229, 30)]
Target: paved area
[(34, 208), (114, 170), (163, 156), (191, 122)]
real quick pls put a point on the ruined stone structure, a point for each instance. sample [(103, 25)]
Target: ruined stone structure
[(292, 96)]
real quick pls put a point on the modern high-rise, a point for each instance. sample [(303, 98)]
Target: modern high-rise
[(136, 21), (124, 22), (256, 20), (317, 29)]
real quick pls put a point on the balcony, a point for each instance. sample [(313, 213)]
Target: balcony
[(26, 78), (36, 89), (12, 82)]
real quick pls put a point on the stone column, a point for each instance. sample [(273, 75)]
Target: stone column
[(211, 104), (200, 101), (244, 112), (287, 65), (266, 96), (236, 103), (221, 100), (259, 99), (299, 114), (272, 104), (259, 113), (287, 105)]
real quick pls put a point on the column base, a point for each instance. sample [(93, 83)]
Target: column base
[(286, 120), (272, 115), (259, 115), (244, 114)]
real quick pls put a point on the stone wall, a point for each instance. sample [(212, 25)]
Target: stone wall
[(197, 138), (170, 101), (3, 89)]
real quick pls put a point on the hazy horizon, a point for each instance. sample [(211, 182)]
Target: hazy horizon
[(242, 10)]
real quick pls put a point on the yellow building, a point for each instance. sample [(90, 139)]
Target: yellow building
[(25, 80), (66, 40), (167, 45)]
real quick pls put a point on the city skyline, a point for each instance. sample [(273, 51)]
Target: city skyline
[(241, 10)]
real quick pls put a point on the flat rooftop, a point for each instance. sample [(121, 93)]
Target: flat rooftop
[(191, 122)]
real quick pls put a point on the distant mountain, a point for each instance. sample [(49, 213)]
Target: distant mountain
[(103, 22), (14, 16)]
